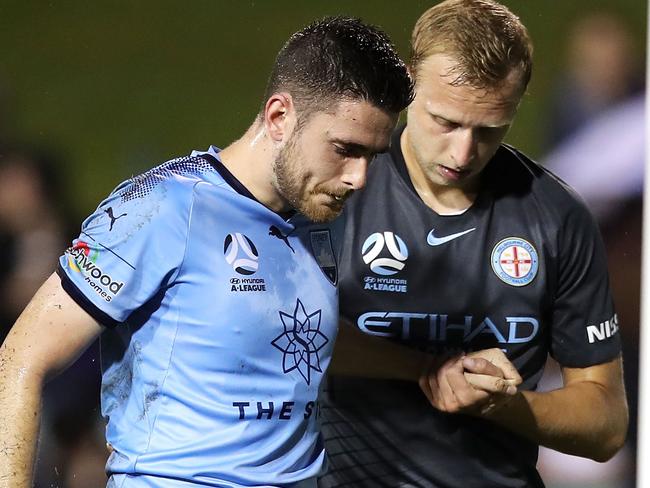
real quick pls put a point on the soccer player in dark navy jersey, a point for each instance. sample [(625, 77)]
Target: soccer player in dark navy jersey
[(463, 249), (212, 279)]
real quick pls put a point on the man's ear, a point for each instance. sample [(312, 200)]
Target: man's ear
[(279, 116)]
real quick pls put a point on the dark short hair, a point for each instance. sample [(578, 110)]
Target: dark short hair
[(340, 58)]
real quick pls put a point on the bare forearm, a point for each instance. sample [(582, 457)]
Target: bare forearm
[(19, 424), (582, 419), (51, 333), (357, 354)]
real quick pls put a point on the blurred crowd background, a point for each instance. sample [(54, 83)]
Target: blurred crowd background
[(94, 92)]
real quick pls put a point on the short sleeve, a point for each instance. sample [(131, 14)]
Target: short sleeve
[(130, 248), (584, 323)]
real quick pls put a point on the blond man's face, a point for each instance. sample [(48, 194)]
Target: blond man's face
[(453, 131)]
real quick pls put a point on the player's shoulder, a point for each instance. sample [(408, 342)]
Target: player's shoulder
[(165, 193), (172, 180), (512, 174)]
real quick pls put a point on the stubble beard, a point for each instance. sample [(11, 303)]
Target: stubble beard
[(290, 184)]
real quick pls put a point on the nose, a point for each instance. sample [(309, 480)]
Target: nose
[(354, 173), (463, 146)]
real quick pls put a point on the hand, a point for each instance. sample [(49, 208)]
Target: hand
[(469, 384), (497, 357), (490, 383)]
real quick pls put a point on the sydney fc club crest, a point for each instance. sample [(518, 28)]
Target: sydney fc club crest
[(301, 341), (321, 247), (515, 261)]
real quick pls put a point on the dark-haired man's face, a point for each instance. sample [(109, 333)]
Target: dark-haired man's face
[(325, 160)]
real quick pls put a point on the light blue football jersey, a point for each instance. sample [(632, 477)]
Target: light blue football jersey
[(222, 318)]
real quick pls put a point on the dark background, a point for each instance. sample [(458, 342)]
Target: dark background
[(118, 86), (109, 89)]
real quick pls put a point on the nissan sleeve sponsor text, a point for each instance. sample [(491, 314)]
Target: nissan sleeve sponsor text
[(602, 331)]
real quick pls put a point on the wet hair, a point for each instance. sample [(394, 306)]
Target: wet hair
[(339, 58), (486, 40)]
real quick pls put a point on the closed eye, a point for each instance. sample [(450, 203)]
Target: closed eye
[(351, 150), (444, 123)]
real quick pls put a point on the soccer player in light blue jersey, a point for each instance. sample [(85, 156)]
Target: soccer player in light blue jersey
[(212, 280)]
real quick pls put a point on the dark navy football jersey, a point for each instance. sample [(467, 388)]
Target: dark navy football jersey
[(523, 269)]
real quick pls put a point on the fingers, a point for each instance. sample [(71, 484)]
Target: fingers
[(498, 359), (491, 384), (475, 384), (445, 386), (451, 385), (482, 366), (465, 396)]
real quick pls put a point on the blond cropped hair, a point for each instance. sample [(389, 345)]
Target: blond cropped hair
[(487, 41)]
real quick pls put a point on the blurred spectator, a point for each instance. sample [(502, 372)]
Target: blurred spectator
[(31, 229), (596, 143), (604, 161), (32, 236), (602, 70)]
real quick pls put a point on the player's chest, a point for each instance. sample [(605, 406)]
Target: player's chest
[(254, 281), (484, 278), (484, 253)]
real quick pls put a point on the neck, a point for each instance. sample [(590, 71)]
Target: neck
[(250, 160), (442, 199)]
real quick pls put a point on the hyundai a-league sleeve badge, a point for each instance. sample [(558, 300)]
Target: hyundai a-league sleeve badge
[(515, 261)]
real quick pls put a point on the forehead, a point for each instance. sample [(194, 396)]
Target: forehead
[(461, 102), (355, 121)]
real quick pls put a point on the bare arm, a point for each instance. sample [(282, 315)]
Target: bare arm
[(359, 354), (362, 355), (587, 417), (49, 335)]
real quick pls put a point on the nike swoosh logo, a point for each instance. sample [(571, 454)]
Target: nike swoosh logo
[(432, 240)]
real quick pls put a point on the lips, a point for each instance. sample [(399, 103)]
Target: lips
[(453, 174), (338, 197)]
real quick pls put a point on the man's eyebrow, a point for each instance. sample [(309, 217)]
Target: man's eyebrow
[(456, 122), (444, 119), (356, 147)]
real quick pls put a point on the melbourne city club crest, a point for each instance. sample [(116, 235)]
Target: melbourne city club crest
[(301, 341), (515, 261)]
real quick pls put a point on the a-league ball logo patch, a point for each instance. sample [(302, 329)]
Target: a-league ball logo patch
[(515, 261), (373, 247), (240, 253)]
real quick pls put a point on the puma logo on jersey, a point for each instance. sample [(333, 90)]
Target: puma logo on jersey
[(109, 212), (432, 240), (276, 232)]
